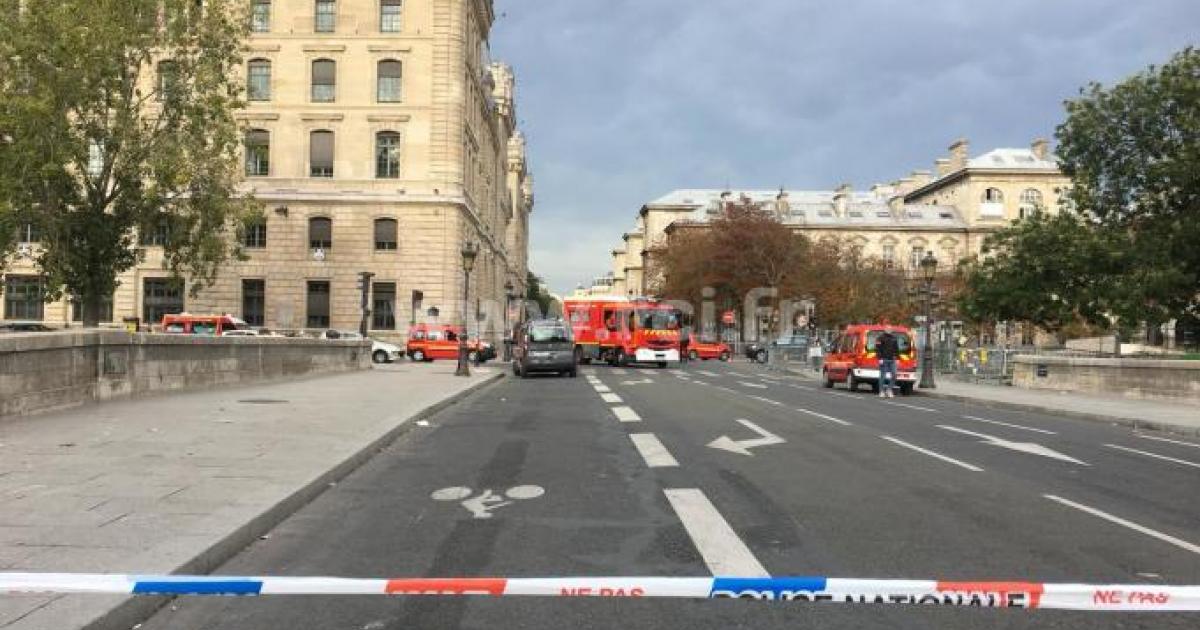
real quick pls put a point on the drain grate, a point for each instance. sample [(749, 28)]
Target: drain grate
[(263, 401)]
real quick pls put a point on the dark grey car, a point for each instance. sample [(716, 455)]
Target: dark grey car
[(544, 345)]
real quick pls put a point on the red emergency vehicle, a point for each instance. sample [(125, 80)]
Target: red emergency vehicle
[(624, 330), (851, 359), (430, 342), (705, 350)]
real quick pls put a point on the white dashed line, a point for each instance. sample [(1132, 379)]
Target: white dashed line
[(1010, 425), (722, 550), (602, 389), (707, 373), (1162, 439), (653, 451), (620, 371), (754, 385), (611, 398), (766, 400), (1154, 455), (930, 453), (844, 395), (1182, 544), (800, 386), (648, 372), (824, 417), (914, 407), (626, 414)]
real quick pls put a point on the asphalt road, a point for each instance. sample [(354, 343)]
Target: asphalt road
[(836, 484)]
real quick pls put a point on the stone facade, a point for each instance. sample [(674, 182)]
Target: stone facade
[(948, 211), (425, 155)]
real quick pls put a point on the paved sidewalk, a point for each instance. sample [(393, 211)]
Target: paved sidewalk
[(179, 483)]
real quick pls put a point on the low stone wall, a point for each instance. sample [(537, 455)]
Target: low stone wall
[(43, 371), (1177, 381)]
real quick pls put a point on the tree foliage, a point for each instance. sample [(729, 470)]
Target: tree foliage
[(117, 118)]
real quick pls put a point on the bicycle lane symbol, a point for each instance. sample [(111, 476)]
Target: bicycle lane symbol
[(486, 502)]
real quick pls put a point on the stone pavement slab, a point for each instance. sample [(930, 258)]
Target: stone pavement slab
[(180, 483)]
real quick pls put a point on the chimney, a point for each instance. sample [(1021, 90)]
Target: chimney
[(942, 167), (920, 178), (1040, 148), (841, 199), (959, 154)]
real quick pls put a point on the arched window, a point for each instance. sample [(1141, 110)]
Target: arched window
[(258, 153), (388, 81), (320, 153), (258, 80), (1031, 202), (324, 80), (387, 155), (386, 239), (993, 195), (325, 18), (389, 16), (260, 16), (320, 233)]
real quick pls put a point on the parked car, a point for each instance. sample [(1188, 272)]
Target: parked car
[(545, 345), (851, 359), (430, 342), (21, 326), (789, 345), (381, 351), (706, 350)]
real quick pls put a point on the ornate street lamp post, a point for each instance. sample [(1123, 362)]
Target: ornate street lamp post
[(508, 299), (469, 251), (929, 266)]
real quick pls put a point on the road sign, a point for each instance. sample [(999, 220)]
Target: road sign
[(728, 317)]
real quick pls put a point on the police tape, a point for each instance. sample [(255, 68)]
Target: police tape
[(1122, 597)]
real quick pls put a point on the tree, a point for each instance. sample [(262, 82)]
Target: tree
[(117, 119), (536, 292)]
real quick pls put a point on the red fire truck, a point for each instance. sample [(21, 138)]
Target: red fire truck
[(624, 330)]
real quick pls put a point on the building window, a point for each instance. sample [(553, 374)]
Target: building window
[(258, 80), (168, 79), (258, 153), (260, 16), (254, 302), (388, 89), (383, 309), (993, 195), (29, 233), (387, 155), (320, 154), (324, 80), (918, 252), (95, 163), (160, 297), (23, 298), (326, 16), (157, 235), (320, 233), (318, 304), (256, 235), (889, 256), (385, 235), (1031, 202), (389, 16), (106, 308)]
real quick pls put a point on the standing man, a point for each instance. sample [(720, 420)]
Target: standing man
[(887, 350)]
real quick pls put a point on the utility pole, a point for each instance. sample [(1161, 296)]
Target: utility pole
[(364, 285)]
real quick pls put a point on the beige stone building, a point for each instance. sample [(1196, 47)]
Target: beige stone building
[(948, 211), (380, 136)]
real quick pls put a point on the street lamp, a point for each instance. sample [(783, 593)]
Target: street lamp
[(928, 273), (469, 251), (509, 295)]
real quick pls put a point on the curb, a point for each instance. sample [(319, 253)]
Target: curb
[(134, 611)]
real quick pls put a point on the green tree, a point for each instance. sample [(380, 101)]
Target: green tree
[(536, 292), (117, 119)]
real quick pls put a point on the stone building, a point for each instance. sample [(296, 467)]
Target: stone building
[(380, 137), (948, 211)]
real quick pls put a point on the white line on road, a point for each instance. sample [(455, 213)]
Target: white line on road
[(649, 372), (914, 407), (824, 417), (800, 386), (722, 550), (930, 453), (1182, 544), (844, 395), (611, 398), (653, 451), (1154, 455), (754, 385), (1010, 425), (1162, 439), (620, 371), (1031, 448), (766, 400), (602, 389), (707, 373), (626, 414)]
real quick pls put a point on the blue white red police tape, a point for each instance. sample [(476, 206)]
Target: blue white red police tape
[(1124, 597)]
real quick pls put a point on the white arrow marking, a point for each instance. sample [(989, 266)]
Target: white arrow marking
[(1024, 447), (743, 446), (754, 385)]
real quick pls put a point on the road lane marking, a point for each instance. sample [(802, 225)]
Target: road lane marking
[(707, 373), (1031, 448), (653, 451), (620, 371), (645, 381), (914, 407), (754, 385), (722, 550), (602, 389), (1162, 439), (611, 398), (824, 417), (626, 414), (649, 372), (844, 395), (1154, 455), (1009, 425), (1182, 544), (800, 386), (742, 447), (930, 453), (767, 400)]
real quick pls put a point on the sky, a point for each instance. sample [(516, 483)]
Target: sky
[(623, 101)]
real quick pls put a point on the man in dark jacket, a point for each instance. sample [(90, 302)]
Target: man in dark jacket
[(887, 350)]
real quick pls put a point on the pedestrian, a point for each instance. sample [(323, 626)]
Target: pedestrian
[(887, 350), (685, 340)]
